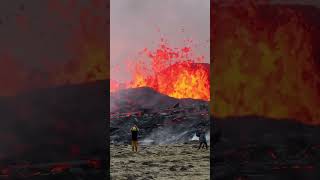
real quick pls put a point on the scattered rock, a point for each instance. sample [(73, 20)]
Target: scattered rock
[(147, 163), (147, 178), (173, 168), (183, 168), (170, 164), (131, 177), (165, 161)]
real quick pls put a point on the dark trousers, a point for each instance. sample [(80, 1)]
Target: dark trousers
[(203, 144)]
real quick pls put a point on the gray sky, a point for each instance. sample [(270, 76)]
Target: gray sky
[(134, 24)]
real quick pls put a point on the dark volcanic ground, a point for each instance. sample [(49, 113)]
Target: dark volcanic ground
[(262, 148), (136, 99), (59, 124), (164, 120)]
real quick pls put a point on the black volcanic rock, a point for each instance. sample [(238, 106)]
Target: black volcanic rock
[(265, 147), (135, 99), (168, 120), (242, 130), (54, 124)]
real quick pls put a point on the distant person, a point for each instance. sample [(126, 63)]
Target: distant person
[(202, 139), (134, 142)]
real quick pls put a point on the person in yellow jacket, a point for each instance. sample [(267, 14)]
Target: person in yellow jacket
[(134, 140)]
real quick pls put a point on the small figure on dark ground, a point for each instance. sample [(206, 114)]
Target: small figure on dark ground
[(202, 139), (134, 140)]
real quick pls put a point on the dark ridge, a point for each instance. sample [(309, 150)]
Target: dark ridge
[(135, 99), (253, 145), (245, 129)]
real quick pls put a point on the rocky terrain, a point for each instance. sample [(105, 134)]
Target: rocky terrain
[(254, 147), (161, 119), (145, 98), (167, 162)]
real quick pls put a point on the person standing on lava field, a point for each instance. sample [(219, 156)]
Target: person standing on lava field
[(134, 140), (202, 139)]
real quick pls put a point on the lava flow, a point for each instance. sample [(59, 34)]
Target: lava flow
[(266, 60), (171, 71)]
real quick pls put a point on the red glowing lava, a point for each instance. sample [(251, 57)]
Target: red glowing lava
[(176, 72)]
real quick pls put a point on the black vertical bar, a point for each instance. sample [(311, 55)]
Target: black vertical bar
[(108, 91), (211, 94)]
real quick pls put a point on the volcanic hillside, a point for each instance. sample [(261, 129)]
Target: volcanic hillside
[(267, 67), (253, 146), (161, 119), (136, 99), (54, 124)]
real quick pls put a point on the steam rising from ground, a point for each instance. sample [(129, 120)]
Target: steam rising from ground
[(170, 137), (195, 138)]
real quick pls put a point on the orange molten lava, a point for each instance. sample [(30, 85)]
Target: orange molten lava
[(266, 61), (171, 71)]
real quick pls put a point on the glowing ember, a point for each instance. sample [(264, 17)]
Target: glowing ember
[(171, 71), (265, 61)]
